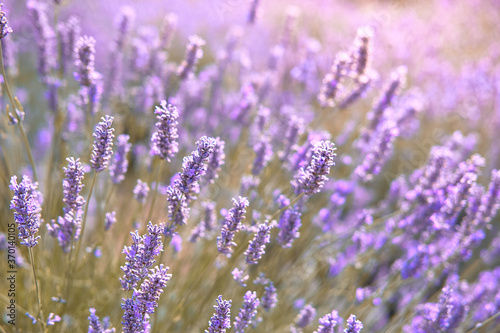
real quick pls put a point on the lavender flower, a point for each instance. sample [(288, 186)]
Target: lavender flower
[(353, 325), (289, 225), (216, 161), (193, 54), (44, 38), (247, 312), (362, 52), (141, 191), (167, 31), (103, 144), (178, 210), (143, 301), (270, 297), (110, 220), (4, 23), (312, 179), (164, 141), (295, 129), (332, 81), (119, 166), (253, 12), (195, 166), (95, 325), (140, 255), (328, 322), (26, 204), (232, 224), (264, 152), (379, 153), (67, 228), (53, 319), (257, 246), (85, 61), (221, 319), (152, 288), (305, 316)]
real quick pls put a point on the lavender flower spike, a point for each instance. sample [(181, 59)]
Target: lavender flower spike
[(141, 191), (67, 228), (216, 161), (312, 179), (110, 220), (119, 167), (85, 61), (328, 322), (103, 144), (193, 54), (95, 325), (195, 166), (140, 255), (353, 325), (4, 23), (221, 319), (270, 297), (164, 140), (232, 224), (257, 246), (305, 316), (26, 204), (247, 312)]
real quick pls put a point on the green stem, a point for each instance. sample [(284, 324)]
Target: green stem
[(155, 193), (41, 320), (486, 322), (80, 240), (19, 122)]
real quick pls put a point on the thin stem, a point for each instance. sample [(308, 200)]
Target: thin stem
[(155, 193), (293, 202), (486, 322), (80, 240), (19, 122), (40, 314)]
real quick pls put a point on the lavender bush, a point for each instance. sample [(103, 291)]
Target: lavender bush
[(249, 166)]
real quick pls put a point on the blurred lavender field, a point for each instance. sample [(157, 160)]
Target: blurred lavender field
[(248, 166)]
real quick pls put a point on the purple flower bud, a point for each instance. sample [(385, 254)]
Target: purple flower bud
[(44, 38), (103, 144), (353, 325), (216, 161), (289, 225), (168, 28), (232, 224), (164, 140), (178, 210), (195, 166), (85, 61), (193, 54), (110, 220), (362, 52), (312, 179), (379, 154), (207, 225), (264, 153), (141, 191), (270, 297), (4, 23), (119, 166), (328, 322), (140, 255), (52, 319), (67, 228), (26, 204), (257, 246), (253, 12), (95, 325), (332, 81), (221, 319), (305, 316), (247, 312)]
